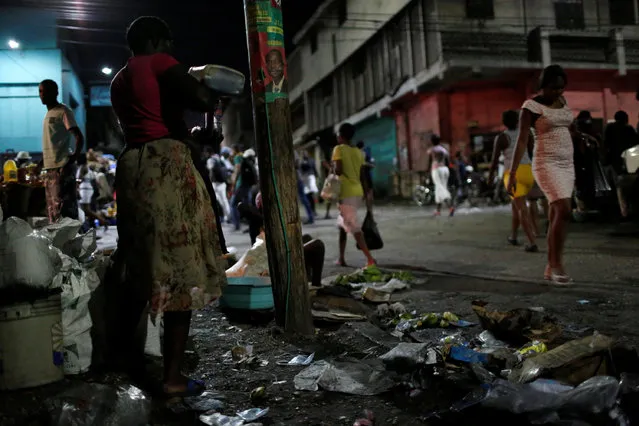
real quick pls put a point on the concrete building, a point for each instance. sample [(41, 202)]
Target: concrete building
[(35, 57), (403, 70)]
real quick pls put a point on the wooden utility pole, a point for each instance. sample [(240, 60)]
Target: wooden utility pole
[(278, 177)]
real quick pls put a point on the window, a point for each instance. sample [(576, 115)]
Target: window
[(480, 9), (334, 42), (622, 12), (313, 40), (569, 14), (342, 11), (326, 87), (358, 63)]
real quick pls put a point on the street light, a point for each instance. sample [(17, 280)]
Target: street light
[(13, 44), (107, 71)]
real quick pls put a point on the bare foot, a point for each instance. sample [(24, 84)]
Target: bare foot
[(341, 262), (184, 387)]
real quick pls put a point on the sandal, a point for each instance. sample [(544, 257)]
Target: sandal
[(560, 279), (513, 241), (193, 388), (531, 248), (557, 279), (341, 263)]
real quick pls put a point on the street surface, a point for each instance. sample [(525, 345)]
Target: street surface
[(469, 258), (474, 243)]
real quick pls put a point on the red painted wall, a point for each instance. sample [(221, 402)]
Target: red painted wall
[(416, 121), (450, 113)]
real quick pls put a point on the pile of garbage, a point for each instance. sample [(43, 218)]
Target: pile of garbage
[(48, 260), (520, 363)]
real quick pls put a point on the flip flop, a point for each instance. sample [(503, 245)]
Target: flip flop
[(342, 264), (193, 388)]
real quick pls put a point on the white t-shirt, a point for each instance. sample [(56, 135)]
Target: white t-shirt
[(57, 141)]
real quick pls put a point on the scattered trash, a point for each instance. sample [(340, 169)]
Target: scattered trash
[(92, 404), (242, 356), (541, 401), (338, 309), (206, 402), (372, 274), (200, 404), (397, 308), (572, 362), (408, 322), (489, 343), (375, 296), (518, 326), (217, 419), (409, 355), (240, 353), (252, 414), (465, 354), (369, 333), (462, 323), (583, 302), (348, 376), (299, 360), (258, 394), (368, 419), (534, 348)]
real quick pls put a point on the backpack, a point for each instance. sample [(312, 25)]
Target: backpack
[(220, 172), (247, 172)]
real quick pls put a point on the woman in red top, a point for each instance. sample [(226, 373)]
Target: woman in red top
[(167, 229)]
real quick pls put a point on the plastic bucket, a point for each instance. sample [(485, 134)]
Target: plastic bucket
[(31, 344)]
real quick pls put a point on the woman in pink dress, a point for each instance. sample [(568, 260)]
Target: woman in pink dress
[(553, 165)]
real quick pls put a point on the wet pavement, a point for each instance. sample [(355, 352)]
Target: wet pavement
[(464, 258)]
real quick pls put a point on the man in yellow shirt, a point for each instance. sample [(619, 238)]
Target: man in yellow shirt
[(348, 161)]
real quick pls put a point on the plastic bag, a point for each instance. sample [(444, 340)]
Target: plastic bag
[(77, 283), (30, 261), (348, 376), (61, 232), (371, 234), (332, 187), (91, 404), (81, 247), (594, 396), (254, 263)]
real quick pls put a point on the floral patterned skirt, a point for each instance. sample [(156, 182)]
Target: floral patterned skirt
[(167, 229)]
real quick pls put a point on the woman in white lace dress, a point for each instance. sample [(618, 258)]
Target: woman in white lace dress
[(553, 164)]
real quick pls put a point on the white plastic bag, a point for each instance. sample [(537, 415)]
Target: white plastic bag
[(14, 229), (77, 283), (30, 261), (254, 263), (154, 332), (61, 232)]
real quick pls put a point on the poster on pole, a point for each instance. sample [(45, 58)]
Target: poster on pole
[(269, 77)]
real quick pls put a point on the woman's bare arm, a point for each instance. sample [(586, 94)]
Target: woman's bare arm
[(194, 94)]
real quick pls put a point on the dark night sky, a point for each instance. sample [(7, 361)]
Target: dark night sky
[(206, 31)]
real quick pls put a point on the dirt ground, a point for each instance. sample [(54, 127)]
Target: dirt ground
[(214, 334)]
